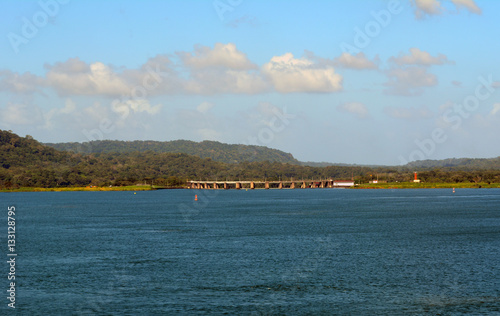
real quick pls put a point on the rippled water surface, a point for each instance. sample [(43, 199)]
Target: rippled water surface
[(257, 252)]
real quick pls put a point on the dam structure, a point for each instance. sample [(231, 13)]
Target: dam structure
[(279, 184)]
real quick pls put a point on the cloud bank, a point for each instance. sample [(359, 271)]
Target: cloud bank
[(222, 69)]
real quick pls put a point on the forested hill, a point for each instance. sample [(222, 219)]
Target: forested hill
[(207, 149), (16, 151), (24, 162), (465, 164)]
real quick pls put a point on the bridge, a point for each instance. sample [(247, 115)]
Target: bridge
[(281, 184)]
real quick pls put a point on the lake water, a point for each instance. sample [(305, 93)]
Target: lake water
[(256, 252)]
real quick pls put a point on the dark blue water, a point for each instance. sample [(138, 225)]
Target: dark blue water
[(293, 252)]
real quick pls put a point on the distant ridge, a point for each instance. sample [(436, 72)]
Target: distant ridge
[(237, 153), (465, 164), (216, 151), (332, 164)]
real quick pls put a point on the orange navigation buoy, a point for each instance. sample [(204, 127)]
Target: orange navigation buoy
[(196, 197)]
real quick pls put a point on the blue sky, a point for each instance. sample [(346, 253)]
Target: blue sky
[(365, 82)]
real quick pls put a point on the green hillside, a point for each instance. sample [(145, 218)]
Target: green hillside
[(207, 149), (465, 164), (16, 151), (27, 163)]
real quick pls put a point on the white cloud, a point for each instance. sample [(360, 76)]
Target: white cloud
[(75, 77), (358, 109), (106, 81), (206, 71), (134, 106), (419, 57), (289, 74), (217, 81), (19, 83), (222, 55), (411, 113), (409, 74), (143, 106), (409, 81), (469, 5), (358, 61), (223, 69), (425, 8)]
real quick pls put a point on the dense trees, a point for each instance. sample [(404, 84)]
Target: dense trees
[(206, 149), (25, 162)]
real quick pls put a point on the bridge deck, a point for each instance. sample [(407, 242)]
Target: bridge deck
[(280, 184)]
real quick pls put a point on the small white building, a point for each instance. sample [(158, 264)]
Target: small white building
[(377, 181), (343, 183)]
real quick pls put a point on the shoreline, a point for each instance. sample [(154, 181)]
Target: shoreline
[(88, 189), (409, 185), (386, 186)]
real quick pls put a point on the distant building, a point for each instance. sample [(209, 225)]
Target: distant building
[(377, 181), (343, 183)]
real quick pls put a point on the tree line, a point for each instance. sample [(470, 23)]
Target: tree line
[(24, 162)]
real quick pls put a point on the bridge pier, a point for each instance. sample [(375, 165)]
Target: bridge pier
[(266, 184)]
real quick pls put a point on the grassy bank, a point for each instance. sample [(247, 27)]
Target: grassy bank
[(411, 185), (94, 188)]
